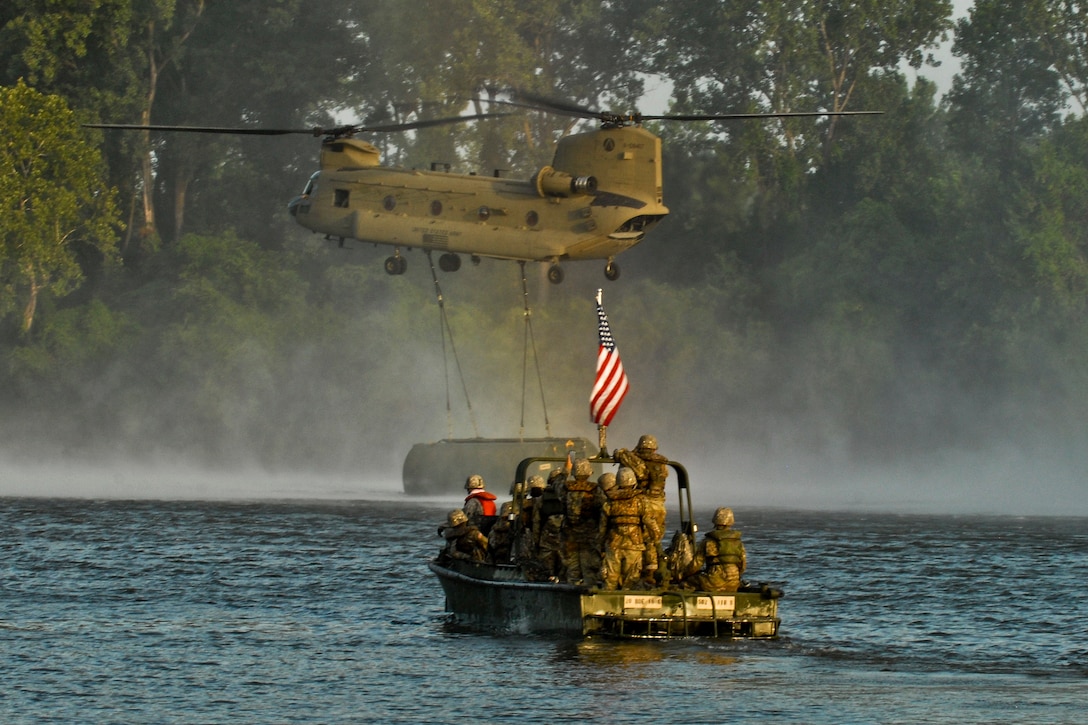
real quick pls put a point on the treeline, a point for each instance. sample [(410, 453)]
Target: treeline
[(869, 287)]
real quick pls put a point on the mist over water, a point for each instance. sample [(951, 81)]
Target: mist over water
[(999, 482), (169, 482), (340, 421)]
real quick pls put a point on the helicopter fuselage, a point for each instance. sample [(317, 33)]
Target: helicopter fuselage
[(600, 197)]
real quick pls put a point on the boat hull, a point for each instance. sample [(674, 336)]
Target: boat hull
[(498, 598)]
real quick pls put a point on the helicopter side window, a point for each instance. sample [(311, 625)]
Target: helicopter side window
[(341, 199), (389, 202), (436, 207)]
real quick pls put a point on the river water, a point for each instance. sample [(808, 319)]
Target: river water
[(324, 611)]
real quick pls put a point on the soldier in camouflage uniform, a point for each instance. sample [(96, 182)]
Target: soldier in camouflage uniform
[(500, 541), (621, 564), (721, 556), (547, 528), (651, 471), (479, 504), (524, 541), (583, 501), (463, 540)]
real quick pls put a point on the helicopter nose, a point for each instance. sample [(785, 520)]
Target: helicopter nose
[(299, 202)]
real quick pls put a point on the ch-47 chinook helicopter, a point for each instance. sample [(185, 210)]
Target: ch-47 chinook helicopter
[(599, 197)]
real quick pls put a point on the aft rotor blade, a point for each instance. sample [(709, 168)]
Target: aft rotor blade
[(742, 116), (529, 100)]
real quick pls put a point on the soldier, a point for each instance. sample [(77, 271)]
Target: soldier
[(463, 540), (547, 525), (524, 542), (501, 539), (721, 557), (582, 504), (651, 471), (605, 482), (680, 557), (479, 504), (621, 564)]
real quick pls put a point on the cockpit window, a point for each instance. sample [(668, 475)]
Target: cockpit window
[(311, 184)]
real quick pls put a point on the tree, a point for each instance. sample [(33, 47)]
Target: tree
[(78, 49), (1066, 35), (297, 61), (750, 177), (56, 208), (796, 56), (1008, 92), (81, 50), (436, 57)]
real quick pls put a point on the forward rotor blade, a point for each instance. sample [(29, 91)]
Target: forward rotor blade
[(209, 129), (336, 131), (540, 103), (426, 123)]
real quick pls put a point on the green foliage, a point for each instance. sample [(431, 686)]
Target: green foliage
[(1052, 223), (54, 205), (1009, 91), (71, 343)]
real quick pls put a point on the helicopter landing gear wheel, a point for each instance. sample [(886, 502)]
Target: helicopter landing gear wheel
[(396, 265), (449, 262), (555, 274), (612, 271)]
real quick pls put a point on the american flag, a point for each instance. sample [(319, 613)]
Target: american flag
[(610, 387)]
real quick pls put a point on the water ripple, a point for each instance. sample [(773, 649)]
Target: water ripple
[(325, 612)]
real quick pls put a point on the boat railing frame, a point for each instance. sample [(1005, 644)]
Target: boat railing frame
[(683, 485)]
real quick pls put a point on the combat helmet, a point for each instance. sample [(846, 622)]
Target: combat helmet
[(723, 517), (626, 477), (583, 468), (456, 517), (606, 481), (537, 484), (474, 482), (647, 442)]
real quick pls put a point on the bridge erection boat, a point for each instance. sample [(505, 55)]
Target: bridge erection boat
[(511, 598)]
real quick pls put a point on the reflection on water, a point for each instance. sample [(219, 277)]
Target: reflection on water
[(603, 652), (716, 659)]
